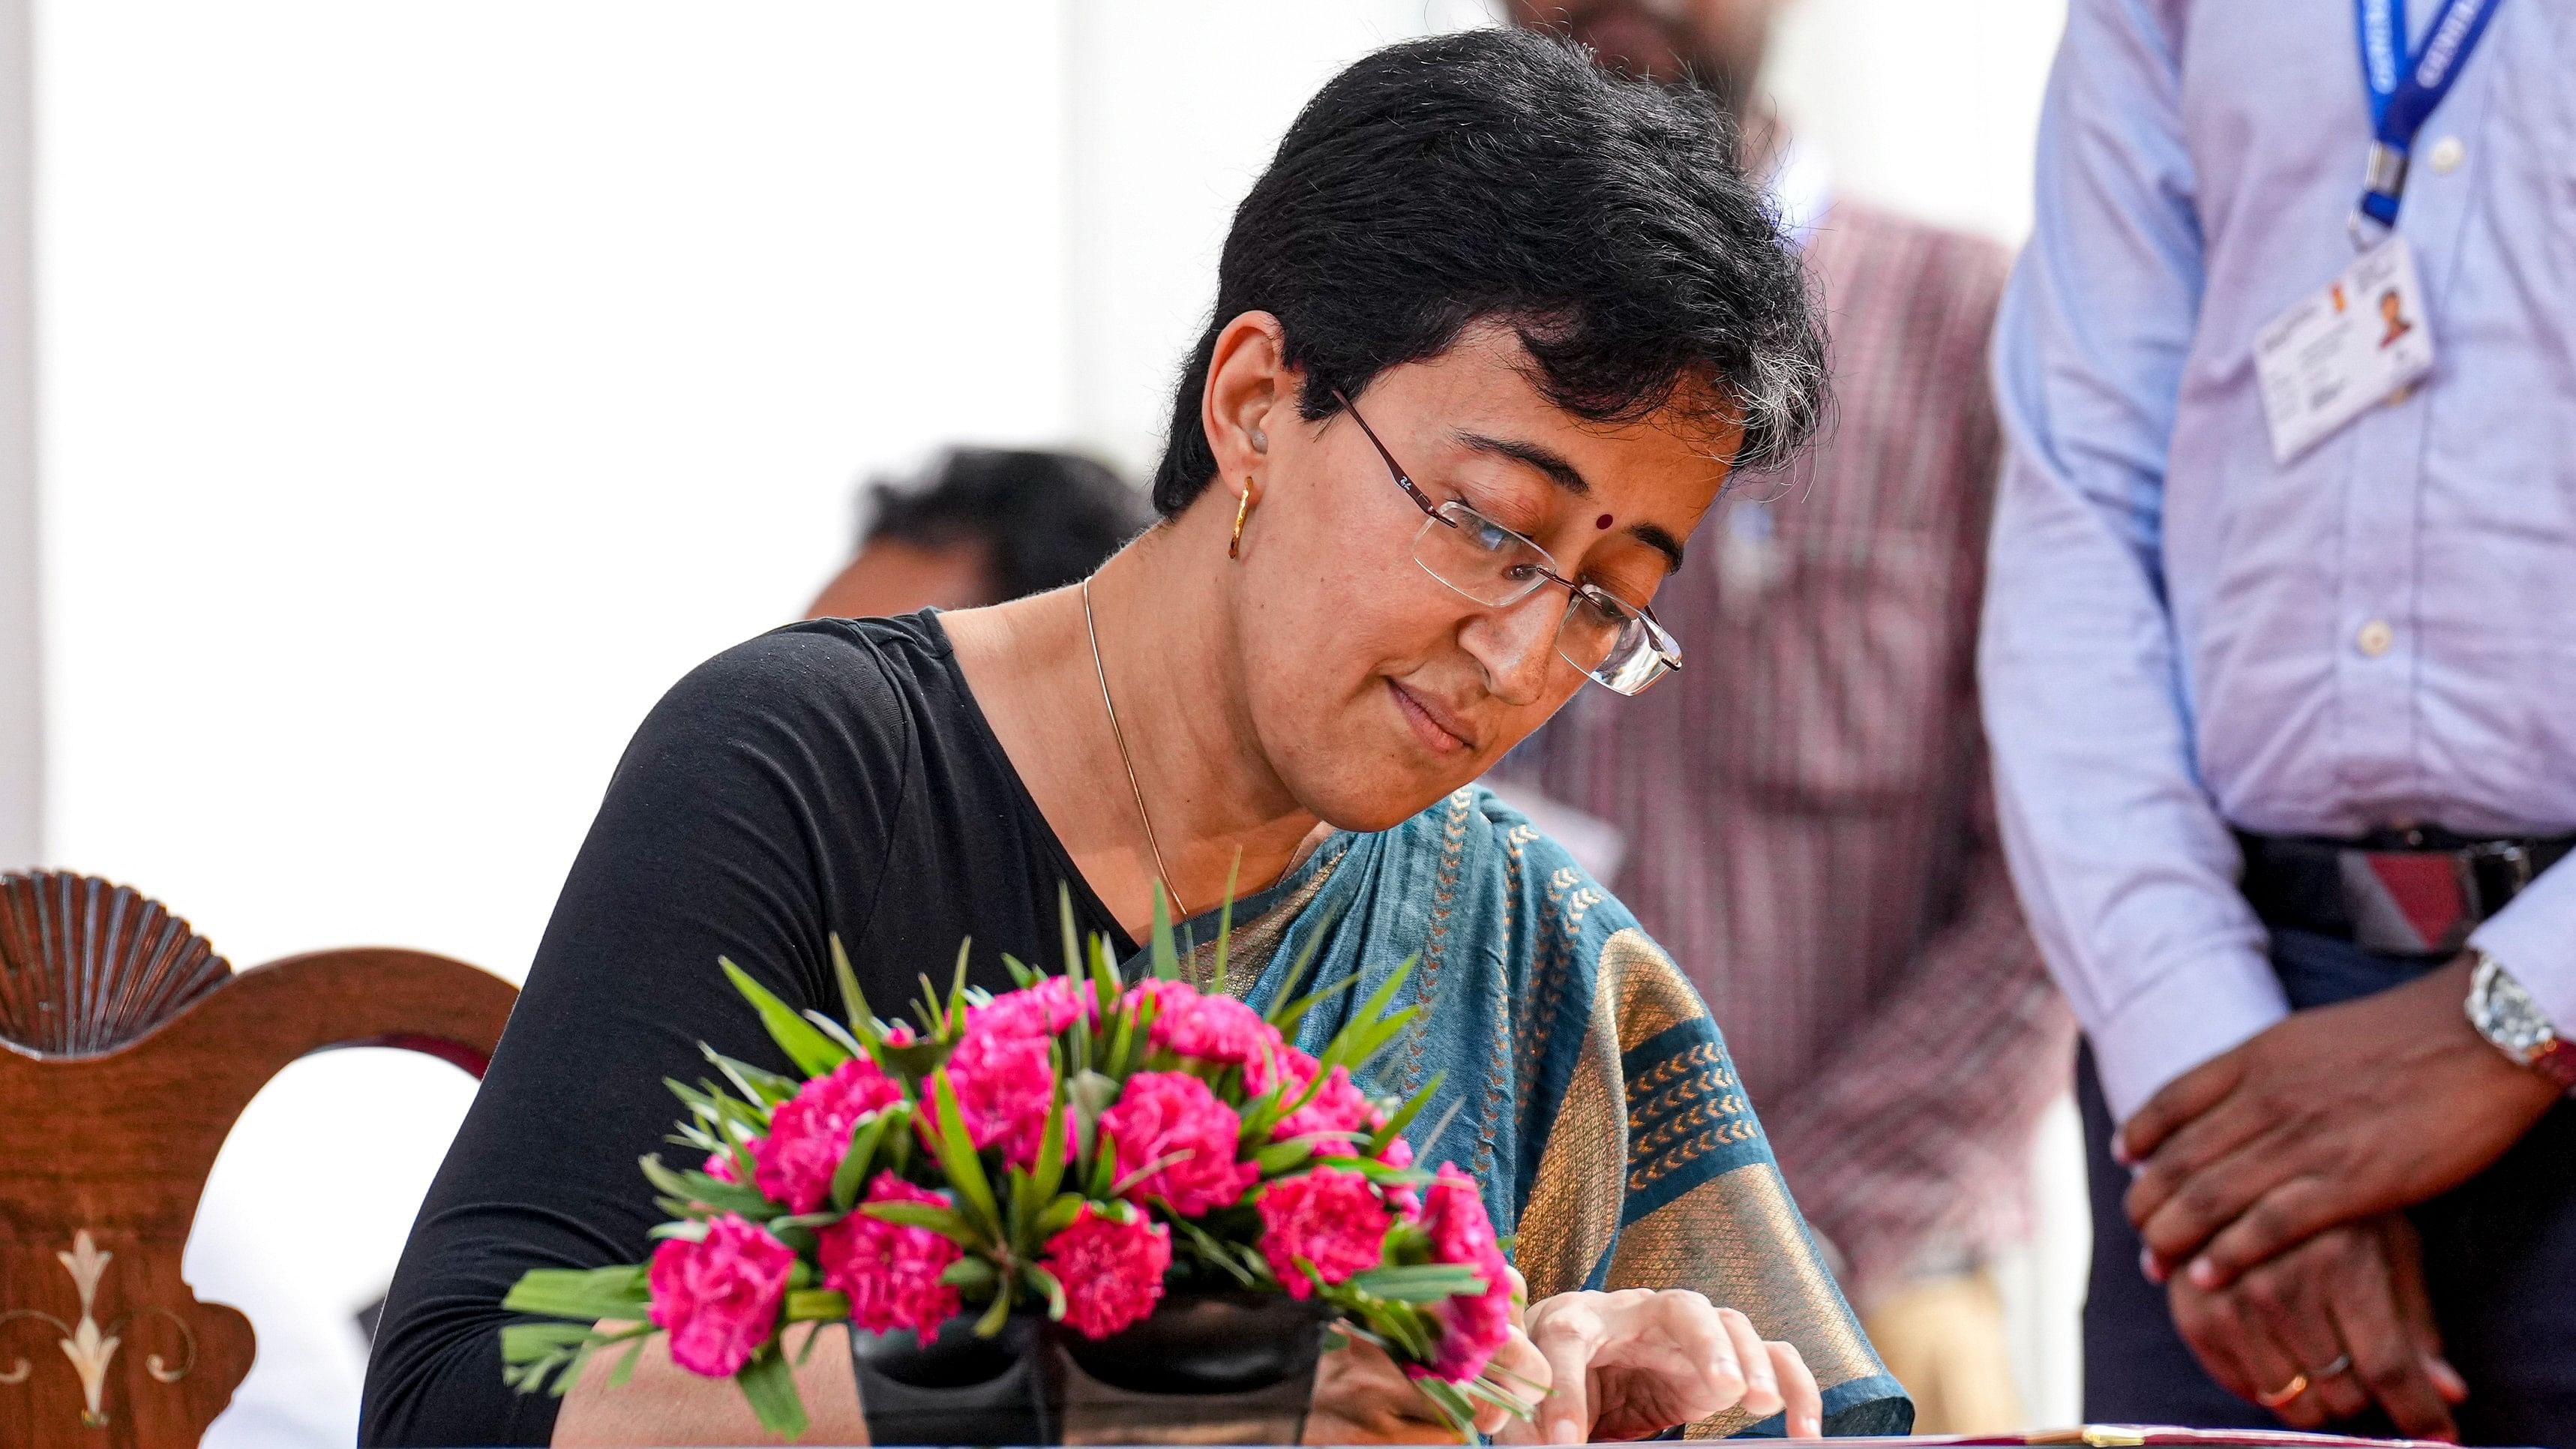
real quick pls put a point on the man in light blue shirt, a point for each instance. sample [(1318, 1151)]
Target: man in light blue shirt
[(2286, 750)]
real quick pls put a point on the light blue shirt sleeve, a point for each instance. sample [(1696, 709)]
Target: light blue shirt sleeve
[(2125, 868), (2535, 938)]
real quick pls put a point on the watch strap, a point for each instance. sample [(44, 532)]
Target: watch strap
[(2557, 1062)]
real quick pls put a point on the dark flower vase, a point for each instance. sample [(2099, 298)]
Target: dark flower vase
[(1204, 1369)]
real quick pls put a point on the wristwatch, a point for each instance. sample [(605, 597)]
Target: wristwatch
[(2506, 1016)]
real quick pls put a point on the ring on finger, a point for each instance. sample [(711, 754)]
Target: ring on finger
[(2297, 1385), (2342, 1363)]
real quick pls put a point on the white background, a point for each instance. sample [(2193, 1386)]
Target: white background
[(421, 389)]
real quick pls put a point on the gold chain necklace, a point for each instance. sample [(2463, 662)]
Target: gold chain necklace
[(1088, 627)]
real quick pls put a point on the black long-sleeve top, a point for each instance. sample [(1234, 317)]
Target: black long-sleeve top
[(833, 776)]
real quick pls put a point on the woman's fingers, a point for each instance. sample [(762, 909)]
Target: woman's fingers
[(1761, 1383), (1803, 1404), (1517, 1360), (1566, 1337)]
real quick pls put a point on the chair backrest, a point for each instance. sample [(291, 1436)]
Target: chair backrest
[(127, 1049)]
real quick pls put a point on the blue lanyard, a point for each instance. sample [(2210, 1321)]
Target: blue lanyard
[(2404, 88)]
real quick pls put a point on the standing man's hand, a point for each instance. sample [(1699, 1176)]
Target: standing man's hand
[(2335, 1325), (2329, 1116)]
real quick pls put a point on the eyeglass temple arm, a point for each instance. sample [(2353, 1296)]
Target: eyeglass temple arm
[(1402, 479)]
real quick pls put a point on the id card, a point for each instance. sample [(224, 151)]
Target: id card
[(2341, 351)]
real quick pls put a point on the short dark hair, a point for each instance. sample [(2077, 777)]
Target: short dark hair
[(1498, 175), (1044, 519)]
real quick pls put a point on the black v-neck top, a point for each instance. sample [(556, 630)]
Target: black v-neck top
[(834, 776)]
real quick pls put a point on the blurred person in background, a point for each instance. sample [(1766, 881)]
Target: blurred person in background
[(2280, 645), (983, 526), (1802, 815)]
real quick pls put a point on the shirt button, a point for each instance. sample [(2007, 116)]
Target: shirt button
[(2447, 154), (2374, 638)]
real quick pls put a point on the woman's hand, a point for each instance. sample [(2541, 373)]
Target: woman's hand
[(1634, 1363)]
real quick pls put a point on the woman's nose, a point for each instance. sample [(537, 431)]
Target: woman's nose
[(1516, 647)]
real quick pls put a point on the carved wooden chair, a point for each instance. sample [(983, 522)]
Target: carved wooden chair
[(127, 1049)]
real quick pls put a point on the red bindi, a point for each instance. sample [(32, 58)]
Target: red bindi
[(1602, 522)]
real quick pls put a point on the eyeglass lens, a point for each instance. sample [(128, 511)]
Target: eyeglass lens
[(1493, 565)]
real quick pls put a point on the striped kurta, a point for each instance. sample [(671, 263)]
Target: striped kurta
[(1805, 806)]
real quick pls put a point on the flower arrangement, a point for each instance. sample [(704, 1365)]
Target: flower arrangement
[(1077, 1148)]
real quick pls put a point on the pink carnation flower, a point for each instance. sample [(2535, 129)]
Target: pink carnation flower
[(1174, 1115), (890, 1270), (718, 1297), (1399, 1153), (1004, 1084), (719, 1165), (1453, 1215), (1112, 1270), (1041, 1010), (809, 1134), (1329, 1217), (1337, 1106), (1212, 1027)]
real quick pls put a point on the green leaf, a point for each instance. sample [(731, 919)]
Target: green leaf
[(1225, 927), (1297, 968), (695, 1186), (1420, 1282), (1461, 1414), (528, 1342), (1059, 1215), (839, 1034), (852, 1174), (817, 1305), (1210, 1250), (765, 1089), (624, 1369), (770, 1384), (1023, 975), (1166, 959), (1045, 1282), (813, 1053), (1050, 1167), (1107, 985), (946, 1222), (1371, 1014), (916, 1062), (994, 1317), (589, 1294), (1295, 1012), (1405, 1114), (1072, 939), (957, 988), (854, 1002), (972, 1277), (1279, 1157), (957, 1158)]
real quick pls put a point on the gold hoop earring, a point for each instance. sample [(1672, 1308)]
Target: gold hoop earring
[(1234, 547)]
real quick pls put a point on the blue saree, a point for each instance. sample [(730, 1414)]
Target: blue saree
[(1582, 1081)]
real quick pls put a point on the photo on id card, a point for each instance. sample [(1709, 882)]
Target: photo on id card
[(2340, 351)]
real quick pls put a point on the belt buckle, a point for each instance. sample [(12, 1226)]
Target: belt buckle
[(2513, 856)]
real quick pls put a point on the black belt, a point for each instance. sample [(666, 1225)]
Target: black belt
[(2398, 892)]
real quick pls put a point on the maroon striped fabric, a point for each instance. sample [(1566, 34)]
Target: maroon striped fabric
[(1805, 806)]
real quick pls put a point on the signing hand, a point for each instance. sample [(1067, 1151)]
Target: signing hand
[(2325, 1330), (2329, 1116), (1634, 1363)]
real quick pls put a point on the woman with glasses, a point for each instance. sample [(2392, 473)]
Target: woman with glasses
[(1489, 334)]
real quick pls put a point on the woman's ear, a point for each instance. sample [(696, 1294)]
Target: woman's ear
[(1251, 392)]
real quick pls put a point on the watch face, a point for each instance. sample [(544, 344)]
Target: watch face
[(2510, 1018)]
